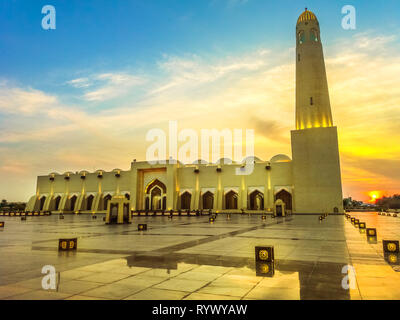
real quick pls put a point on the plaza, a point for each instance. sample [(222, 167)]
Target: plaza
[(189, 258)]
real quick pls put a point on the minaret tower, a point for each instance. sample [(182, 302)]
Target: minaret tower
[(316, 164), (313, 108)]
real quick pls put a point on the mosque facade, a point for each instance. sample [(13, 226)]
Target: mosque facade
[(307, 183)]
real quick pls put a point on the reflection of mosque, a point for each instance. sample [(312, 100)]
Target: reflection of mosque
[(297, 279), (308, 183)]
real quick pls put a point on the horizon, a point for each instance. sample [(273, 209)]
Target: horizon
[(83, 96)]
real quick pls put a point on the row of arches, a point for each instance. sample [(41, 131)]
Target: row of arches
[(256, 200), (70, 205)]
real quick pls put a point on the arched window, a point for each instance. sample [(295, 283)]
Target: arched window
[(301, 37), (314, 35)]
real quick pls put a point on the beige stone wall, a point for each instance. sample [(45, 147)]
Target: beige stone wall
[(177, 178), (316, 171)]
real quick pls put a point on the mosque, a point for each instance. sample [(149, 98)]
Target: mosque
[(309, 183)]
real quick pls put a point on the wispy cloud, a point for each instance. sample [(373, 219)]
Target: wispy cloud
[(106, 86)]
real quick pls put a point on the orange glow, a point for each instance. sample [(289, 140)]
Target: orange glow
[(374, 196)]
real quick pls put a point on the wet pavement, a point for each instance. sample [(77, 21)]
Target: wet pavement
[(189, 258)]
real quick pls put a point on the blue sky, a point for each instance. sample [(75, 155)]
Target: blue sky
[(84, 95), (109, 35)]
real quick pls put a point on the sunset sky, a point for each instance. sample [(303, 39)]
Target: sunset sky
[(84, 96)]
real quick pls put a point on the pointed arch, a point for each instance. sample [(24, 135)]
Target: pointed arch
[(186, 199), (208, 200), (154, 183), (286, 197), (89, 202), (256, 200), (231, 200), (42, 202)]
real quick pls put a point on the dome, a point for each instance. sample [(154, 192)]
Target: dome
[(251, 159), (200, 161), (280, 158), (307, 16), (224, 161)]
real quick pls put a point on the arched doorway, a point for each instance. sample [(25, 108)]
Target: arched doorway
[(186, 199), (231, 200), (106, 199), (89, 202), (335, 210), (256, 200), (72, 202), (156, 198), (286, 197), (42, 202), (57, 203), (155, 195), (208, 200)]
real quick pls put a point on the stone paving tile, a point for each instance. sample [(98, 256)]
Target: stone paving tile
[(262, 293), (76, 286), (140, 281), (7, 291), (157, 294), (79, 297), (104, 277), (188, 258), (112, 291), (205, 296), (40, 295), (183, 285)]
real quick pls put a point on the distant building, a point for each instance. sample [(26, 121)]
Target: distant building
[(310, 182)]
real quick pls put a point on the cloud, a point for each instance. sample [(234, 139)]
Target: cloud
[(79, 83), (251, 90), (27, 102), (112, 85)]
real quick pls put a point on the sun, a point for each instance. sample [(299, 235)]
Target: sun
[(374, 196)]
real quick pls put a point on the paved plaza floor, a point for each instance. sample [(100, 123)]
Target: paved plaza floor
[(189, 258)]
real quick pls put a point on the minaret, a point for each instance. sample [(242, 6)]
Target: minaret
[(313, 109), (317, 184)]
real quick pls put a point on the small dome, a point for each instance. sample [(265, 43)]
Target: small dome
[(224, 161), (307, 16), (200, 161), (280, 158), (253, 159)]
